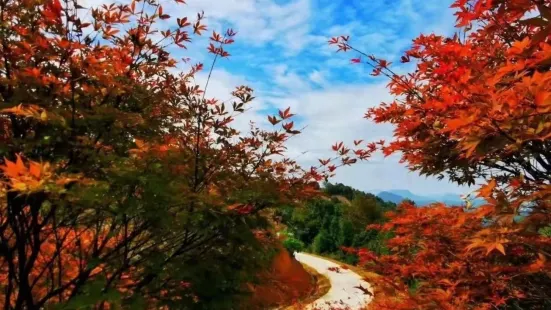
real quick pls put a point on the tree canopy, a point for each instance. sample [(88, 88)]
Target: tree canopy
[(474, 108), (326, 225), (122, 182)]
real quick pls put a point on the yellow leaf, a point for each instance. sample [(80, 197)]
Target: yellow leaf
[(497, 245), (540, 127), (29, 110), (19, 186), (15, 110), (500, 248), (20, 178), (475, 243)]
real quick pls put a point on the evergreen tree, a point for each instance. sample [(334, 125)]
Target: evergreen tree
[(326, 225), (346, 233), (323, 243)]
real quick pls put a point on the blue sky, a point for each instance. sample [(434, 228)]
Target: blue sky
[(281, 51)]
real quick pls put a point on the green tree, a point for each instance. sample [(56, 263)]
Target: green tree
[(362, 211), (346, 233), (323, 243), (340, 190), (326, 225), (293, 245), (335, 228)]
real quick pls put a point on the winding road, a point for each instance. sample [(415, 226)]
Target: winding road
[(345, 292)]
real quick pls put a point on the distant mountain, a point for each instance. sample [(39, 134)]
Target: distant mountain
[(399, 195), (388, 196)]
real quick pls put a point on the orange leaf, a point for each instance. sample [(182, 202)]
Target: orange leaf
[(496, 246), (538, 264), (486, 190), (519, 46), (35, 169)]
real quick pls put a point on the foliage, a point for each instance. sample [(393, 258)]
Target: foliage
[(545, 231), (350, 193), (340, 189), (292, 244), (447, 258), (122, 183), (476, 107), (364, 209), (326, 225)]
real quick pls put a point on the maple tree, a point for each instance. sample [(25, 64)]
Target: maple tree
[(475, 108), (119, 173)]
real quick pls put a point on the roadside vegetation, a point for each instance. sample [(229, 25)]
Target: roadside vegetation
[(338, 219)]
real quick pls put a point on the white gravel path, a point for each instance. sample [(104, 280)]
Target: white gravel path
[(344, 293)]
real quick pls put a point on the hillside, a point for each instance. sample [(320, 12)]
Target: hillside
[(325, 225)]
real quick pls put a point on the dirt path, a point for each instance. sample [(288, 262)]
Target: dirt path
[(345, 292)]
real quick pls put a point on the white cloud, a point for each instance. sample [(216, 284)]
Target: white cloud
[(262, 21), (333, 114), (284, 78), (336, 114), (318, 77), (313, 87)]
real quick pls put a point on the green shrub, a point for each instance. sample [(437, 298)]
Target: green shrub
[(323, 243), (293, 245), (545, 231)]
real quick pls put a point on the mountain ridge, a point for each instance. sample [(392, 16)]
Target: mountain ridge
[(398, 195)]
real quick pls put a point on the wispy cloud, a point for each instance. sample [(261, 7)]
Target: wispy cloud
[(282, 52), (295, 68), (262, 22)]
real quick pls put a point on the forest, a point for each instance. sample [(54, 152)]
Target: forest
[(326, 225), (125, 185)]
